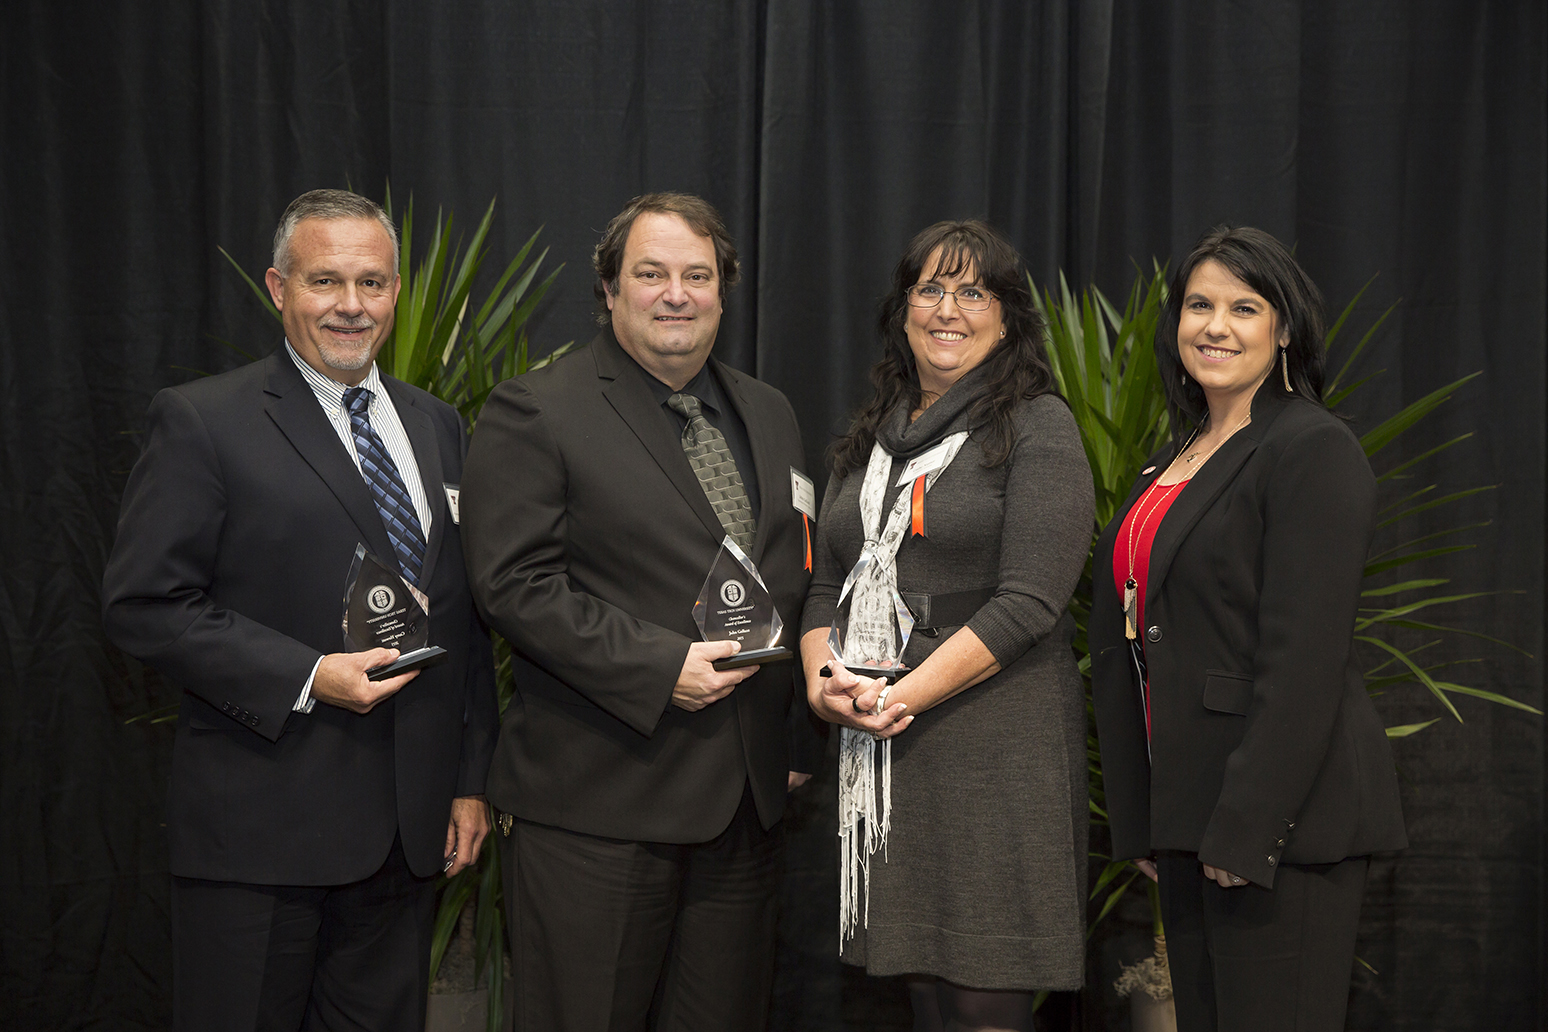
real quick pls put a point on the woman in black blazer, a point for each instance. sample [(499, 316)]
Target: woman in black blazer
[(1244, 764)]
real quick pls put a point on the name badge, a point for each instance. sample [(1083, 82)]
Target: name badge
[(925, 463), (454, 501), (803, 493)]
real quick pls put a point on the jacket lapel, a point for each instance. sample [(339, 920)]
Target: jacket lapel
[(1206, 486), (632, 400), (294, 409), (427, 454)]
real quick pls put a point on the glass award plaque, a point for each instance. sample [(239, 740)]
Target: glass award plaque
[(382, 610), (735, 605), (871, 629)]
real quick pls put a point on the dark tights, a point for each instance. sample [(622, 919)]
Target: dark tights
[(942, 1007)]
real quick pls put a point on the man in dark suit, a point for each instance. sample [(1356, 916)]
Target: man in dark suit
[(641, 789), (311, 809)]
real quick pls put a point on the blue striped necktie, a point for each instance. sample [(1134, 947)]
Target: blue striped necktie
[(387, 490)]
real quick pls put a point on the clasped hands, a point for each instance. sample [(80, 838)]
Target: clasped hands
[(848, 699)]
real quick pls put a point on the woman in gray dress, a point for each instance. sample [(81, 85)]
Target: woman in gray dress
[(963, 493)]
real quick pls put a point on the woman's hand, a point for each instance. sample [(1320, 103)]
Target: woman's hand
[(1147, 868), (847, 699), (843, 698), (1223, 878)]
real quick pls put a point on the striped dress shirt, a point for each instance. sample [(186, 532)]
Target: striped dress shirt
[(384, 420)]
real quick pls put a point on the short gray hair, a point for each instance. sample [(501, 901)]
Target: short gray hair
[(328, 204)]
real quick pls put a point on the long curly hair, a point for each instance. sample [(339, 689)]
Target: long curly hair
[(1016, 368), (1267, 266)]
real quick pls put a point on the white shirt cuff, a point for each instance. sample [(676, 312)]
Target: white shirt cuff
[(305, 703)]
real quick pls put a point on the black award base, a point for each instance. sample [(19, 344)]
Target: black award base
[(891, 673), (430, 655), (754, 657)]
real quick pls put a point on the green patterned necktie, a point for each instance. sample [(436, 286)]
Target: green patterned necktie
[(712, 463)]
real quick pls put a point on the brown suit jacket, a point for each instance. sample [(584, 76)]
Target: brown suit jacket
[(589, 539)]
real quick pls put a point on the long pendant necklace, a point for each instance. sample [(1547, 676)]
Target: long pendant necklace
[(1155, 498), (1130, 585)]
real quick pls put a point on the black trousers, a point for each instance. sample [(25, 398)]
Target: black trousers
[(278, 958), (616, 936), (1251, 959)]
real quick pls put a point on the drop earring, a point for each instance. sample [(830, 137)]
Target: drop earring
[(1284, 367)]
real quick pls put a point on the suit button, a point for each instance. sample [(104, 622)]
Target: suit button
[(1272, 861), (1280, 843), (1154, 634)]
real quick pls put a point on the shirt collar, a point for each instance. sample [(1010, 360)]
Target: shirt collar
[(705, 386), (329, 391)]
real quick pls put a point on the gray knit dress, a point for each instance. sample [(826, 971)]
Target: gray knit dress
[(983, 880)]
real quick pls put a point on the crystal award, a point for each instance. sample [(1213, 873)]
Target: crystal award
[(735, 605), (870, 629), (382, 610)]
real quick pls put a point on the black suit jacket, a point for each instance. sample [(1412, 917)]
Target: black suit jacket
[(238, 528), (1265, 745), (588, 540)]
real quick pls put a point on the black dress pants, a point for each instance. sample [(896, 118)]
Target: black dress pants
[(282, 958), (616, 936), (1251, 959)]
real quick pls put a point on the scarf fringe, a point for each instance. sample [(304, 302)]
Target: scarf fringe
[(865, 816)]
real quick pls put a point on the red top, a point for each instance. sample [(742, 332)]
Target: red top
[(1131, 552)]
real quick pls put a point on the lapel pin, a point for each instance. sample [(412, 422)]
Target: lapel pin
[(1147, 471)]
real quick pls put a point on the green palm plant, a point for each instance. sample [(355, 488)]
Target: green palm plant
[(1105, 367), (458, 351)]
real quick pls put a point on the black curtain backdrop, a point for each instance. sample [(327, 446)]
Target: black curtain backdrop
[(1396, 139)]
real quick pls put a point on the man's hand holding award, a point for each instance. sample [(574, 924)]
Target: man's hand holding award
[(384, 611)]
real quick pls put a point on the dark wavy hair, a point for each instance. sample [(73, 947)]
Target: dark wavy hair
[(1267, 266), (702, 218), (1016, 368)]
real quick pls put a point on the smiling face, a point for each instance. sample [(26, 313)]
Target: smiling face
[(337, 302), (947, 342), (666, 303), (1228, 336)]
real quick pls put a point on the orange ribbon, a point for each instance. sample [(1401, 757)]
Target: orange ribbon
[(806, 528), (917, 505)]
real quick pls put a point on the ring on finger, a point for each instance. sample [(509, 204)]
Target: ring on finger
[(1236, 879), (854, 704)]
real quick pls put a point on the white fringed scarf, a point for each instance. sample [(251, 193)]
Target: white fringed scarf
[(874, 581)]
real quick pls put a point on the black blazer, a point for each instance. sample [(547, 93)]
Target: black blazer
[(1265, 745), (589, 538), (239, 524)]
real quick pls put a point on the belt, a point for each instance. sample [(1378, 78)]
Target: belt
[(945, 609)]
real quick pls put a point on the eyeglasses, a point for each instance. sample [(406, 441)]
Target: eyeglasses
[(969, 299)]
